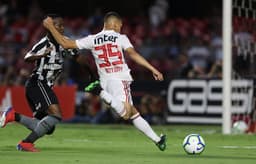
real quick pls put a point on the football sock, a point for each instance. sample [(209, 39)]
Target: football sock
[(43, 127), (145, 128), (117, 105), (31, 138), (28, 122)]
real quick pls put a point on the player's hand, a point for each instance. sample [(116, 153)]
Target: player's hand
[(48, 22), (158, 75)]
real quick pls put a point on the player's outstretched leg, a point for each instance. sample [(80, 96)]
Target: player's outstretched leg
[(162, 143), (94, 87), (141, 124), (44, 126), (7, 116)]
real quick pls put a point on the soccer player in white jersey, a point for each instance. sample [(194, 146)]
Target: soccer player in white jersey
[(108, 47)]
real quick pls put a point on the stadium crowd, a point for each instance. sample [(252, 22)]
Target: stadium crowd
[(193, 44)]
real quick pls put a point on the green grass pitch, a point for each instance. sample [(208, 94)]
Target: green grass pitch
[(123, 144)]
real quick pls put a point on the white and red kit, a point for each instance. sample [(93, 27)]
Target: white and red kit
[(107, 48)]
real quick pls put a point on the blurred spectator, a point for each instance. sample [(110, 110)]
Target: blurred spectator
[(158, 12), (105, 115), (85, 110), (22, 77), (12, 13), (77, 28), (151, 108), (216, 70), (91, 110), (199, 57), (96, 20), (244, 44), (35, 13), (3, 12), (185, 66), (216, 46)]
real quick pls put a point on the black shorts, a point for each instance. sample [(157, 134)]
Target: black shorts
[(39, 96)]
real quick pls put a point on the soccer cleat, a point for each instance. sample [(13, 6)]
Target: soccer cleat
[(7, 116), (94, 87), (162, 143), (26, 146)]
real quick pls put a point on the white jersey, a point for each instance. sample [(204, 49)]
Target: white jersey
[(107, 48)]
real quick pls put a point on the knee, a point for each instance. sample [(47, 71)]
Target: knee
[(54, 110), (50, 124), (126, 116), (50, 131), (131, 115), (134, 111), (40, 115), (129, 111)]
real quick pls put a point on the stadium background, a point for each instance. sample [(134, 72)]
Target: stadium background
[(189, 27), (181, 38)]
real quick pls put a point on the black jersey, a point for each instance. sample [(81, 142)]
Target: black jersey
[(48, 68)]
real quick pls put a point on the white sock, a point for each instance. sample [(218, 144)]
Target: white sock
[(118, 106), (145, 128)]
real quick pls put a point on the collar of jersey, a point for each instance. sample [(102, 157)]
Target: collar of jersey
[(108, 31)]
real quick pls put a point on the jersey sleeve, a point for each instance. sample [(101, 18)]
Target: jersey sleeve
[(125, 42), (38, 49), (85, 43)]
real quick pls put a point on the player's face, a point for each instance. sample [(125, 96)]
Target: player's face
[(113, 24), (117, 25), (59, 25)]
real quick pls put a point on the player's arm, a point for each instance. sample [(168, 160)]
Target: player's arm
[(62, 40), (135, 56), (31, 56), (81, 60)]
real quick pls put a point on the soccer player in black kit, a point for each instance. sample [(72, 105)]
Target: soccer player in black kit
[(48, 56)]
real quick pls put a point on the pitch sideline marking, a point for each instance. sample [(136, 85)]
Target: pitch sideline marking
[(236, 147), (86, 140)]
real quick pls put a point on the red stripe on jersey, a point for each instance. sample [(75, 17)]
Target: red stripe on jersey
[(126, 91)]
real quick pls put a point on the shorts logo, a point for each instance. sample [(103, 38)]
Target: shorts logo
[(38, 106)]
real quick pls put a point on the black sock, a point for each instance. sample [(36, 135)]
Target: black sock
[(17, 117), (31, 138)]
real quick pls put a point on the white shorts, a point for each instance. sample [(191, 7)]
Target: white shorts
[(119, 89)]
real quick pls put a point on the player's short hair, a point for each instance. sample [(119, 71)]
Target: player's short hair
[(53, 16), (111, 14)]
